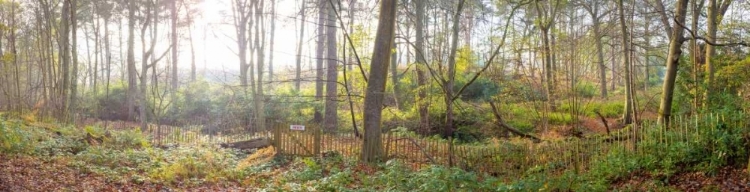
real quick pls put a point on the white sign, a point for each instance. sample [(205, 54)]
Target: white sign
[(297, 127)]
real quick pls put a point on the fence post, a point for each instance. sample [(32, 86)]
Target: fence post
[(277, 137), (317, 141)]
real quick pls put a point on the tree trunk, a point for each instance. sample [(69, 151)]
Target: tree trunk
[(673, 58), (318, 116), (74, 54), (693, 52), (273, 32), (65, 58), (260, 44), (424, 119), (448, 86), (600, 55), (628, 111), (394, 75), (193, 69), (108, 55), (331, 104), (372, 150), (132, 91), (173, 16), (716, 10), (298, 61)]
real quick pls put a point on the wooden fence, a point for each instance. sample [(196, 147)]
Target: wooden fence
[(502, 157), (497, 157)]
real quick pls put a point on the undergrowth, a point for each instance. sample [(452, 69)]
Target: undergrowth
[(127, 156)]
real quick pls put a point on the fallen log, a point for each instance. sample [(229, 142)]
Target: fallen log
[(249, 144), (500, 122)]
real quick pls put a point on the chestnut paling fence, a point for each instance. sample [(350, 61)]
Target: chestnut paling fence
[(496, 157)]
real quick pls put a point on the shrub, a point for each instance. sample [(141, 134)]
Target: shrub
[(560, 118), (15, 138), (586, 89), (128, 139)]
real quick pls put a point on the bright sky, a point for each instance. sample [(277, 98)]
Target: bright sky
[(220, 47)]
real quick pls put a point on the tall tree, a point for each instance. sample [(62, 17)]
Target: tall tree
[(298, 59), (628, 111), (273, 32), (331, 104), (240, 16), (74, 54), (546, 18), (448, 84), (594, 10), (424, 116), (372, 150), (132, 83), (318, 117), (173, 35), (64, 35), (716, 10), (673, 58)]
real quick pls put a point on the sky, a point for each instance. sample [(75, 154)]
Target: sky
[(220, 48)]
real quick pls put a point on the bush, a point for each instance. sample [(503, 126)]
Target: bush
[(586, 89), (560, 118), (16, 138), (197, 164)]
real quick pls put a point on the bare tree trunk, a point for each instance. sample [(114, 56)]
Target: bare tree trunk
[(273, 32), (74, 53), (331, 104), (65, 58), (673, 58), (628, 114), (372, 150), (593, 10), (716, 10), (693, 52), (448, 86), (132, 91), (260, 44), (424, 119), (394, 74), (108, 54), (173, 16), (318, 116), (193, 69), (298, 69)]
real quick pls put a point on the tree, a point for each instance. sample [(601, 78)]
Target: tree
[(174, 34), (424, 116), (448, 84), (74, 52), (318, 117), (716, 10), (241, 15), (331, 104), (593, 8), (672, 62), (298, 60), (628, 111), (372, 150), (132, 91), (64, 45), (546, 19)]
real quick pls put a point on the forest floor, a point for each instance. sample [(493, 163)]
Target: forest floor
[(726, 179), (26, 173)]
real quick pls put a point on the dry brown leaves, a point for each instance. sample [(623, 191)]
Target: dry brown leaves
[(24, 173), (727, 179)]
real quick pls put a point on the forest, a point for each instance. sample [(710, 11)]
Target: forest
[(374, 95)]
